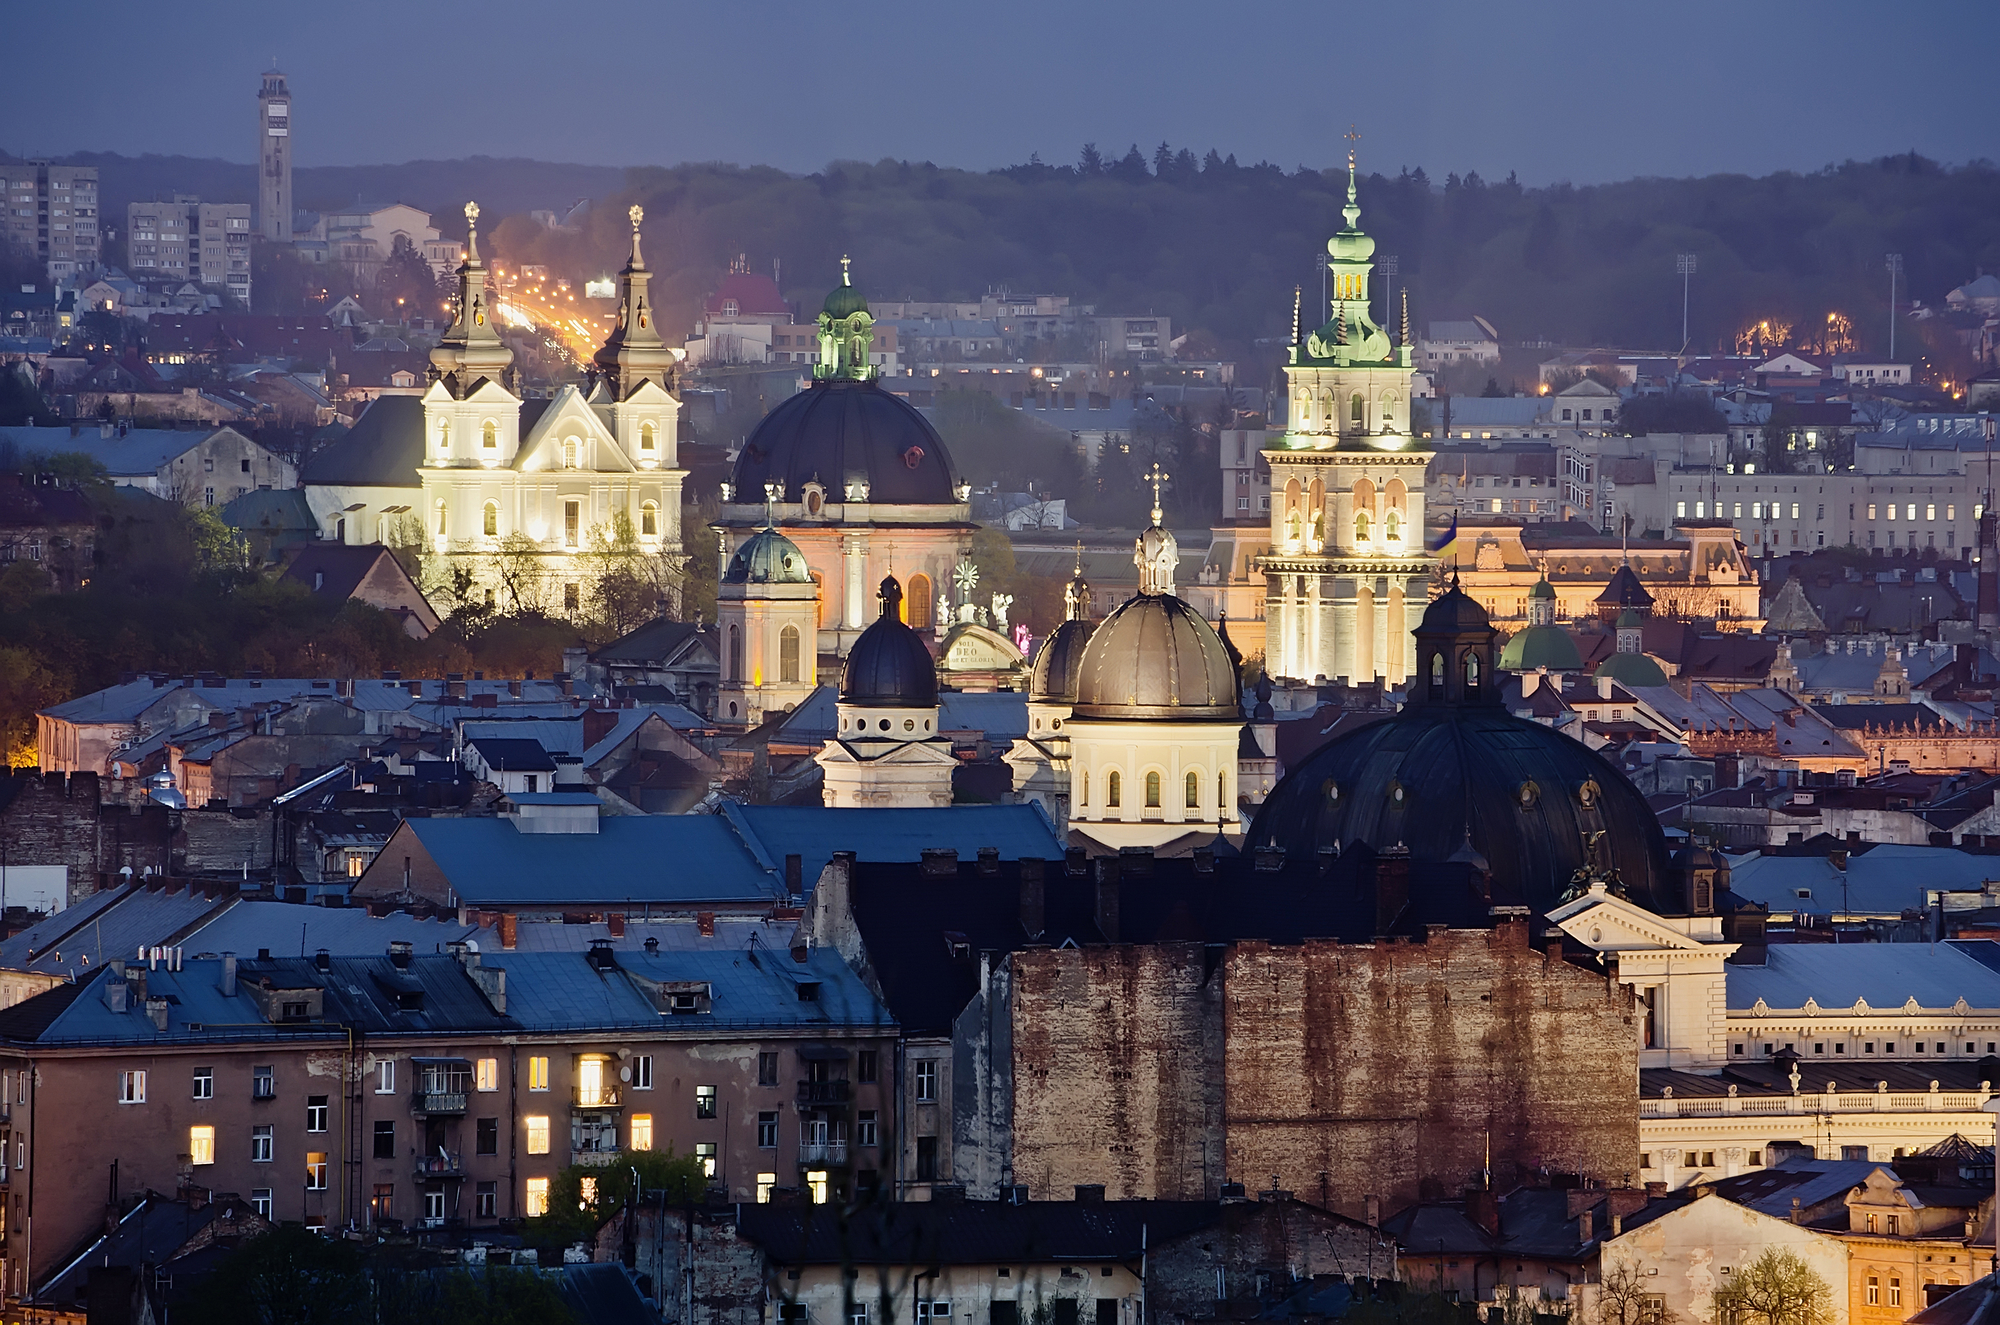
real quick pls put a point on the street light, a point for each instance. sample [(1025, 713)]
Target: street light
[(1895, 265), (1684, 264)]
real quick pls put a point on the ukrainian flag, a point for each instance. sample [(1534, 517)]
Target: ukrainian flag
[(1444, 544)]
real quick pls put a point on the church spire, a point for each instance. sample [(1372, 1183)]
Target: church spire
[(471, 349), (1155, 551), (634, 352), (1076, 594), (846, 332)]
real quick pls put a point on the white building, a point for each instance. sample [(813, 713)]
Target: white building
[(1473, 341)]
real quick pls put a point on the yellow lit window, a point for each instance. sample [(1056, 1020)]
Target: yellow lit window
[(642, 1131), (537, 1202), (201, 1145), (538, 1134), (765, 1182), (538, 1073), (586, 1191), (816, 1180), (487, 1074)]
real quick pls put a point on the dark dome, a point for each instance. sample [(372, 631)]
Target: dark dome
[(768, 557), (889, 665), (844, 301), (841, 431), (1059, 663), (1517, 788), (1154, 657)]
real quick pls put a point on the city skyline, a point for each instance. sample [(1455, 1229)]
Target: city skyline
[(1555, 93)]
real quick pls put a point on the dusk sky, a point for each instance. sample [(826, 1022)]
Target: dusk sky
[(1553, 91)]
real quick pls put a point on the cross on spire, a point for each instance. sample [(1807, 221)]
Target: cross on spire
[(638, 214), (1079, 556), (845, 278), (1156, 476), (1353, 136), (472, 229), (772, 492)]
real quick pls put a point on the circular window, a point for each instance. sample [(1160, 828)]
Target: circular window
[(1597, 936), (909, 724), (1396, 792), (786, 561), (1057, 724), (1527, 794), (1588, 794), (913, 457), (1331, 790), (885, 724)]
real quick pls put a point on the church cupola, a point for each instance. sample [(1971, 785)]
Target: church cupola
[(1350, 334), (471, 349), (1455, 653), (887, 749), (634, 353), (846, 333)]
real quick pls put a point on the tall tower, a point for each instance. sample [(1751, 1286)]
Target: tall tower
[(1348, 570), (274, 159)]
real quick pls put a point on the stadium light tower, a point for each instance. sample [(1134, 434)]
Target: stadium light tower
[(1895, 264)]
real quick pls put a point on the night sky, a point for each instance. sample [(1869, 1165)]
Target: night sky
[(1582, 92)]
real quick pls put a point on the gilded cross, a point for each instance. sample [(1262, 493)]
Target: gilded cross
[(1156, 477), (1353, 136), (844, 278)]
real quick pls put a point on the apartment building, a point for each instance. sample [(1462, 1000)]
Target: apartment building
[(429, 1090), (187, 239), (51, 211), (1778, 513)]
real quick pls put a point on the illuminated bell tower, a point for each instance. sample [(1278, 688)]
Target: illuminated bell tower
[(274, 159), (1348, 574), (846, 330)]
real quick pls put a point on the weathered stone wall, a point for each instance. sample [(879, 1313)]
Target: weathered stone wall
[(1281, 1241), (1389, 1070), (1334, 1071), (49, 819), (1118, 1071)]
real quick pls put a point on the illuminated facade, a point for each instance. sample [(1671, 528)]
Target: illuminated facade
[(518, 494), (1347, 573)]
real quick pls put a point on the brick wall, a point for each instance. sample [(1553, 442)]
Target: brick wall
[(1339, 1071), (50, 819)]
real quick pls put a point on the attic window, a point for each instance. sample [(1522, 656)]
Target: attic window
[(680, 1004), (294, 1011), (808, 991)]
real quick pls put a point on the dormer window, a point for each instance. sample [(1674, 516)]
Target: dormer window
[(730, 308)]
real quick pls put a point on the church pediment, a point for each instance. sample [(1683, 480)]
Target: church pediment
[(567, 419), (1611, 924), (974, 648)]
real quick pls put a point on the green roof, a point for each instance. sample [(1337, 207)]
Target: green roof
[(844, 302), (1631, 670), (1541, 646)]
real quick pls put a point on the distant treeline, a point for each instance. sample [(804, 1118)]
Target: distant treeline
[(1219, 245)]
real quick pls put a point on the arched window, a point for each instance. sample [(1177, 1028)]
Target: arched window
[(440, 517), (1357, 411), (646, 434), (444, 436), (788, 654), (1361, 527), (1221, 793), (489, 436), (1472, 671), (920, 601), (735, 659), (489, 519), (1111, 790), (1302, 404), (1326, 411), (1153, 789), (1194, 790), (1437, 669), (1392, 527), (1082, 788), (569, 451), (649, 519), (1388, 405), (1319, 529)]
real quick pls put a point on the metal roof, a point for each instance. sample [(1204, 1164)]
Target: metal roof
[(1886, 975), (1885, 880), (812, 833), (637, 859)]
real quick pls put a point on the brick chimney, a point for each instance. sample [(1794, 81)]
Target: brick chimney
[(1483, 1208), (1583, 1227), (597, 724), (509, 931)]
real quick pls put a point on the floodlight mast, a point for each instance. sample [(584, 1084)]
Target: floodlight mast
[(1684, 264), (1894, 262)]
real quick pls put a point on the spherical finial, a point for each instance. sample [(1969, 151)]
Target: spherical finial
[(472, 213), (637, 214)]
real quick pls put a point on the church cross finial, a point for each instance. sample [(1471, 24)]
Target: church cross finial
[(845, 278), (638, 214), (472, 230), (1079, 556), (1353, 136), (1156, 476), (773, 492)]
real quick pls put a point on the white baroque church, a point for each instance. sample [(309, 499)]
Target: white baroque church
[(516, 492)]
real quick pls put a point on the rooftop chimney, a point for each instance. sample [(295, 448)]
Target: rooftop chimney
[(1583, 1227), (228, 982), (156, 1012), (940, 862), (704, 924), (597, 724), (1392, 886), (1033, 906), (600, 956), (509, 930), (116, 991), (399, 954), (1092, 1192), (989, 862)]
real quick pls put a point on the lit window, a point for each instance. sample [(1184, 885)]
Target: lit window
[(486, 1075), (315, 1170), (704, 1101), (537, 1202), (201, 1144), (765, 1182), (538, 1134), (816, 1180), (642, 1131), (538, 1073), (646, 431), (705, 1152), (131, 1087), (489, 436), (490, 519), (649, 519)]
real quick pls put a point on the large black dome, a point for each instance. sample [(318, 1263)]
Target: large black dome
[(841, 431), (1455, 765), (1059, 663), (889, 665)]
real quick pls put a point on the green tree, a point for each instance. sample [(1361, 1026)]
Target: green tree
[(583, 1196), (289, 1276), (26, 685), (21, 402), (405, 286), (1778, 1288), (220, 548), (629, 585)]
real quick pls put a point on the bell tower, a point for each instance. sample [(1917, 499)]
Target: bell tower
[(274, 159)]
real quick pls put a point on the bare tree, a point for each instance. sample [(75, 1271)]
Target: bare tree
[(1777, 1288)]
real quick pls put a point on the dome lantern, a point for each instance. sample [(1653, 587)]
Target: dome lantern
[(1455, 653)]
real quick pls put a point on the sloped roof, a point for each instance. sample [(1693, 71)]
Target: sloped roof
[(342, 566), (137, 454), (679, 859), (382, 449), (655, 642), (1885, 974), (813, 833)]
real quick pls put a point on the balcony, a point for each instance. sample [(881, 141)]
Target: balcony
[(821, 1094), (439, 1166), (599, 1097), (437, 1101), (823, 1152)]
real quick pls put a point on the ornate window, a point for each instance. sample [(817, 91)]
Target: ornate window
[(646, 435), (489, 519), (1392, 527), (569, 452), (489, 436), (1153, 789), (1193, 790), (1357, 411), (649, 519), (788, 654), (1111, 789), (1361, 527), (918, 603), (440, 518)]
